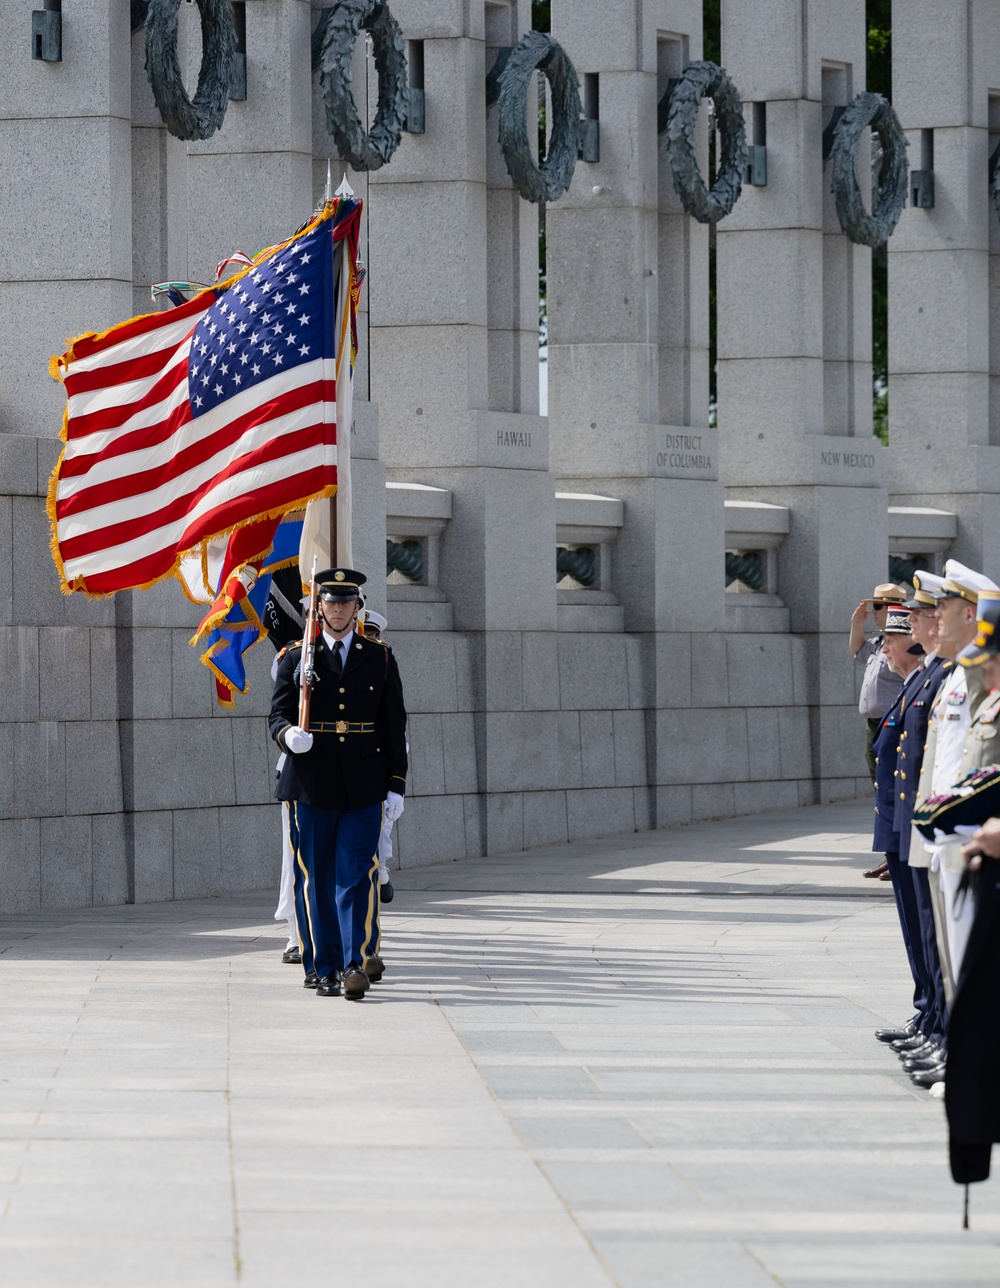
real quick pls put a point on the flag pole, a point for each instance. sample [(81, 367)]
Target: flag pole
[(343, 190), (307, 675), (334, 553)]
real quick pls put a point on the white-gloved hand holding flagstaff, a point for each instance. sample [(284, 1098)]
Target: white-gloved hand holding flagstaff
[(393, 806), (297, 740)]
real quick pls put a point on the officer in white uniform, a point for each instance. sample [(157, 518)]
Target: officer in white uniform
[(951, 717)]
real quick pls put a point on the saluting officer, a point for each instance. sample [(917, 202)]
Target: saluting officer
[(339, 777), (880, 685)]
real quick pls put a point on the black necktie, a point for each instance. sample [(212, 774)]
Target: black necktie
[(338, 664)]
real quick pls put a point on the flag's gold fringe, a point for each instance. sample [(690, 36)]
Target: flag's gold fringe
[(219, 645), (345, 325), (216, 618), (79, 583), (184, 588), (282, 563), (251, 612), (206, 660), (204, 566), (50, 510)]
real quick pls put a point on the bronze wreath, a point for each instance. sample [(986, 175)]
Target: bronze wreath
[(865, 112), (333, 44), (200, 117), (550, 180), (706, 80)]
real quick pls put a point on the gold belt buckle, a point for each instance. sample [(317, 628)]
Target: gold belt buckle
[(340, 726)]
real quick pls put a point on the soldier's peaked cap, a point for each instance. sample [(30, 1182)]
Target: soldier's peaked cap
[(987, 642), (963, 583), (927, 588), (340, 583)]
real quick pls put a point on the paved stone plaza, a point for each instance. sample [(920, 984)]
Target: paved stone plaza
[(645, 1060)]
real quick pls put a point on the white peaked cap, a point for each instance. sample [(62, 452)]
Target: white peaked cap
[(927, 587), (928, 581), (964, 582)]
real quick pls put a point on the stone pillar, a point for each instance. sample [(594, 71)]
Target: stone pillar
[(194, 777), (65, 267), (944, 341), (454, 373), (628, 344), (251, 183), (159, 191), (794, 349), (367, 471), (66, 252)]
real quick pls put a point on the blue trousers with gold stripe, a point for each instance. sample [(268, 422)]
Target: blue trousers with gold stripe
[(336, 884)]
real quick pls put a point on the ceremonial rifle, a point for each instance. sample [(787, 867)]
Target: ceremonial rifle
[(308, 671)]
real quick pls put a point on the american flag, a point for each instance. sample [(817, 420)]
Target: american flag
[(185, 425)]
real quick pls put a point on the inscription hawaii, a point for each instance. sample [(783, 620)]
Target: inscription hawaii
[(513, 438)]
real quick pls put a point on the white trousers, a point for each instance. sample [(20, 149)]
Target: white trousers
[(958, 921), (285, 910)]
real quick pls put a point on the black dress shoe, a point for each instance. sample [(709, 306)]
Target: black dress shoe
[(292, 955), (897, 1035), (908, 1044), (311, 979), (356, 983), (916, 1064), (329, 985), (928, 1077), (374, 967), (917, 1052), (385, 893)]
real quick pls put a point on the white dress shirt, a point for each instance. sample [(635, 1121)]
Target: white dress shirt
[(343, 645)]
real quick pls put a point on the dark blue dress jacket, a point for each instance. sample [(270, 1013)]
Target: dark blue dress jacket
[(899, 746), (886, 746)]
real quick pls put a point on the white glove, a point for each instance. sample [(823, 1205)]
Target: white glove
[(393, 806), (297, 740)]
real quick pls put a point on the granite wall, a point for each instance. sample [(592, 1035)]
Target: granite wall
[(540, 711)]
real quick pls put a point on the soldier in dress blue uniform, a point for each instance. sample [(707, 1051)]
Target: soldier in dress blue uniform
[(898, 648), (930, 1025), (341, 777)]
